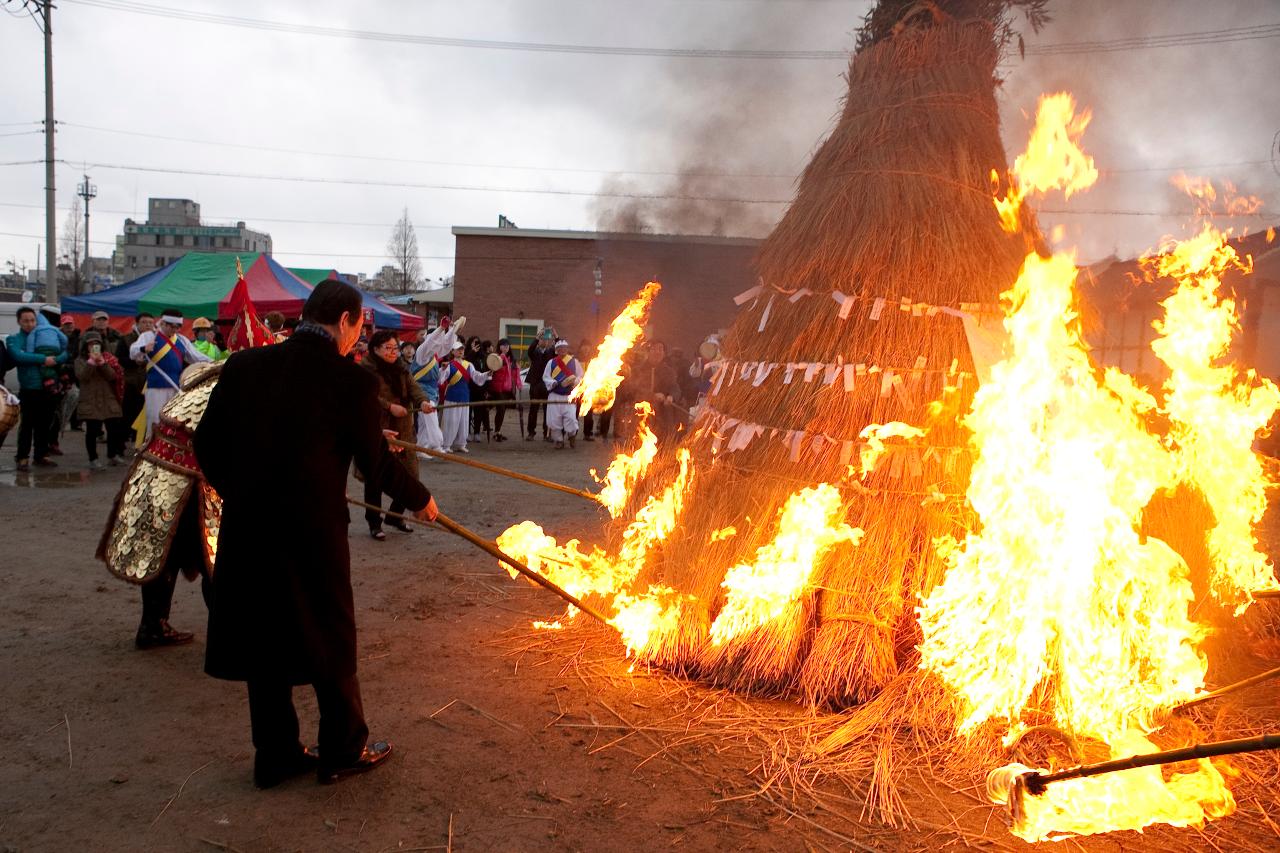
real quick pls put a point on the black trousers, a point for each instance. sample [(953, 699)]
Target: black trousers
[(274, 720), (500, 411), (37, 415), (132, 404), (115, 437), (537, 392), (373, 495), (157, 595), (599, 424)]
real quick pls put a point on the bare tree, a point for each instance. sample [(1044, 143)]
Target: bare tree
[(402, 248), (71, 260)]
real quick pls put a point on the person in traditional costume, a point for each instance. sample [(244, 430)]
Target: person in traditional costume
[(427, 375), (560, 375), (398, 397), (203, 329), (455, 373), (287, 617), (166, 517), (438, 343), (164, 352)]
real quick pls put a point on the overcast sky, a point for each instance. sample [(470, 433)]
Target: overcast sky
[(568, 123)]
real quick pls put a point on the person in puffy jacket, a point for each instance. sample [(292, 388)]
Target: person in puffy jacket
[(39, 349), (503, 386), (101, 379)]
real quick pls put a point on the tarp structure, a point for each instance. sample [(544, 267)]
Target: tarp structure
[(384, 316), (199, 284)]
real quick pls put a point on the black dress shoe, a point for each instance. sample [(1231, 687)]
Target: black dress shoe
[(373, 755), (269, 773), (399, 524), (161, 634)]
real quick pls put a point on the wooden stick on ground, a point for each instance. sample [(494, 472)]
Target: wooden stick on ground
[(494, 469), (485, 545)]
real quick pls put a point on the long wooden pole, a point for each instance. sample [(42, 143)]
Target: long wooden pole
[(494, 469), (485, 545), (1244, 683), (1036, 782)]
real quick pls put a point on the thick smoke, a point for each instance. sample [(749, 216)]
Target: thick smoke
[(745, 128)]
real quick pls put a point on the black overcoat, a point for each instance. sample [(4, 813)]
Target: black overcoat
[(276, 443)]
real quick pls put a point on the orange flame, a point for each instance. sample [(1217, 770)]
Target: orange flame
[(1058, 603), (1053, 159), (1215, 412), (626, 469), (600, 381), (757, 593)]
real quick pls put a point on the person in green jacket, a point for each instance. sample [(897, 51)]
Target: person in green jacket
[(204, 341)]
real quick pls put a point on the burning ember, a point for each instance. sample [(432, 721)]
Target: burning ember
[(599, 385), (1059, 602)]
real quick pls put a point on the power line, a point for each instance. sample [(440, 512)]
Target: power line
[(306, 179), (1225, 36), (383, 159), (442, 41), (213, 217)]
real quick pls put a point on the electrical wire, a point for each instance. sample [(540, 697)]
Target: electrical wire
[(1187, 39)]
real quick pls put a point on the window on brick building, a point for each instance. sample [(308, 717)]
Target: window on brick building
[(521, 334)]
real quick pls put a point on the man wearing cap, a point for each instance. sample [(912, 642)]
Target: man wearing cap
[(455, 372), (164, 352), (204, 341), (560, 375)]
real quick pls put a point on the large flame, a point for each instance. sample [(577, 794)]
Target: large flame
[(1214, 411), (626, 469), (600, 381), (1058, 604)]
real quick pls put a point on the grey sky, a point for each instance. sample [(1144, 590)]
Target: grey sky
[(556, 113)]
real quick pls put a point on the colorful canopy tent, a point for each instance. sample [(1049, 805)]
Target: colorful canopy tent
[(199, 284), (384, 316)]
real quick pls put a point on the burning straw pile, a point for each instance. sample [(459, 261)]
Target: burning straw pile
[(892, 233)]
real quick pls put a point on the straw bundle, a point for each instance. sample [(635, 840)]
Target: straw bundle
[(895, 204)]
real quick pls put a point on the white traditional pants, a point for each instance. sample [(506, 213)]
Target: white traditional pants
[(562, 420), (429, 434), (453, 424), (155, 400)]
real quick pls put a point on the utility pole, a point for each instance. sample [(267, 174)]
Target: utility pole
[(87, 191)]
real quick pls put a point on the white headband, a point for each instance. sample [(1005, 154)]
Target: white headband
[(169, 318)]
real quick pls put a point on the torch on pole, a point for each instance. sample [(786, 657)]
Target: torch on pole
[(488, 547), (1012, 784)]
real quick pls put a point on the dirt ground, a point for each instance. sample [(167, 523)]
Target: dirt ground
[(499, 745)]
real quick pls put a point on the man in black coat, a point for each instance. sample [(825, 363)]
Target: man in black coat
[(276, 443), (540, 352)]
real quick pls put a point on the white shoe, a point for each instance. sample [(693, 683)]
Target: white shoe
[(461, 450), (424, 457), (114, 460), (97, 465), (445, 450)]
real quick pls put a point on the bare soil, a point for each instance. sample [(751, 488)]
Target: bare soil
[(503, 741)]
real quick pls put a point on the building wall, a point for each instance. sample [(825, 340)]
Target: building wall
[(552, 279)]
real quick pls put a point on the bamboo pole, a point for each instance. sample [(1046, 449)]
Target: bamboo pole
[(1269, 594), (1260, 678), (478, 403), (447, 523), (494, 469)]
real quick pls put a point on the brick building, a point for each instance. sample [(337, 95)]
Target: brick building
[(510, 281)]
